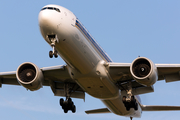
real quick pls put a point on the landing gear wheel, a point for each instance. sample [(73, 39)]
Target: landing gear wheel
[(69, 101), (50, 54), (61, 101), (133, 99), (124, 99), (55, 54), (67, 105), (130, 104), (127, 107), (65, 110), (136, 106), (73, 108)]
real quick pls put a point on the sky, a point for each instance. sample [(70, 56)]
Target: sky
[(124, 29)]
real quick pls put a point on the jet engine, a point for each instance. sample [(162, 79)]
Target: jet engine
[(144, 71), (30, 76)]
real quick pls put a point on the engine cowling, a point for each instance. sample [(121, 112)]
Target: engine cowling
[(144, 71), (30, 76)]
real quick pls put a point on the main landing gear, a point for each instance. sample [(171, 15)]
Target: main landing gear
[(130, 104), (53, 39), (67, 104), (129, 100)]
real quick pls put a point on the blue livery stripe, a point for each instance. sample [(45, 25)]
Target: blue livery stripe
[(84, 31)]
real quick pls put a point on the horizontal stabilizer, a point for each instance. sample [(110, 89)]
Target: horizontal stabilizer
[(159, 108), (97, 111)]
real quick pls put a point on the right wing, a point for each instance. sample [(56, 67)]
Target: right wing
[(57, 77)]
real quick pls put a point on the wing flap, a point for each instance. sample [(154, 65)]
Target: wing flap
[(58, 78), (58, 89), (98, 111)]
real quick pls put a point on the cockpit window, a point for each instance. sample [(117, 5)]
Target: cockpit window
[(51, 8)]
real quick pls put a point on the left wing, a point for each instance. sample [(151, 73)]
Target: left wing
[(121, 71), (57, 77), (121, 74)]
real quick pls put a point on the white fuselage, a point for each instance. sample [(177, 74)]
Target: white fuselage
[(85, 59)]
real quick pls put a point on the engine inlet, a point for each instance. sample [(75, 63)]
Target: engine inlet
[(141, 68)]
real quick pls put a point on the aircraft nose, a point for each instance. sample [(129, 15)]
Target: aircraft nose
[(44, 19), (48, 21)]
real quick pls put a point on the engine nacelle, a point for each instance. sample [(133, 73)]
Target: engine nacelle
[(30, 76), (144, 71)]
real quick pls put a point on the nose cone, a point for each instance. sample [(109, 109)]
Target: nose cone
[(48, 21), (44, 19)]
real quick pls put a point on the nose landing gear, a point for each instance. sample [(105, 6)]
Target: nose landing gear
[(53, 39), (51, 53)]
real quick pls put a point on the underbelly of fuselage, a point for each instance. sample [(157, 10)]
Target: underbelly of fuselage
[(88, 69)]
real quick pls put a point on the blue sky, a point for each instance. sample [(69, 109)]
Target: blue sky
[(124, 29)]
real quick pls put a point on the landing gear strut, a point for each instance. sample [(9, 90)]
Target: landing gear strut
[(53, 39), (130, 101), (68, 104)]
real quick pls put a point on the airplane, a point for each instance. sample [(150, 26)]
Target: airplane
[(89, 69)]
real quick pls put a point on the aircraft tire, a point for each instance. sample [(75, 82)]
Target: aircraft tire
[(73, 108), (50, 54), (136, 106), (61, 101), (65, 110), (127, 108), (69, 101), (55, 54), (124, 99)]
